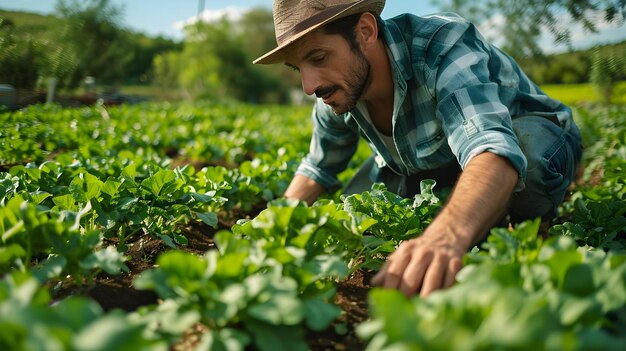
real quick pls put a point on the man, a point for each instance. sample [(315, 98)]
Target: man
[(431, 97)]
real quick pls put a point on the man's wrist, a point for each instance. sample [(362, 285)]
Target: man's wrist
[(448, 226)]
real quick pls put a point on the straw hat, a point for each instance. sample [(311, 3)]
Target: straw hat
[(293, 19)]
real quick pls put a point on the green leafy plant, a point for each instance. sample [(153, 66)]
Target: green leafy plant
[(517, 293), (389, 219), (75, 323)]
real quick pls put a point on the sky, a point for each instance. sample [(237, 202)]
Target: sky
[(166, 17)]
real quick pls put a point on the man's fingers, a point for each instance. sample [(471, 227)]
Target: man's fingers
[(390, 275), (413, 276), (433, 279), (379, 278), (413, 269), (454, 266), (397, 264)]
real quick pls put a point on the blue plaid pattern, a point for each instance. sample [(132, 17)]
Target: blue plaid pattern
[(455, 96)]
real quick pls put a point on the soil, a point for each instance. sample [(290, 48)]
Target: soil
[(351, 297)]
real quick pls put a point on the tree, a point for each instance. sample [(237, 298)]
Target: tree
[(259, 37), (605, 70), (18, 58), (257, 27), (94, 43), (523, 21), (216, 62), (145, 49)]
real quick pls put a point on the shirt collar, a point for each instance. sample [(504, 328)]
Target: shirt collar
[(400, 58)]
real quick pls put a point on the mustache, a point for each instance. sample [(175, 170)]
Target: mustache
[(323, 91)]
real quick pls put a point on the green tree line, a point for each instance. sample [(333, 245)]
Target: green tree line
[(216, 61), (80, 39), (213, 61), (522, 23), (574, 67)]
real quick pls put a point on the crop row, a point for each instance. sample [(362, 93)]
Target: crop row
[(75, 200)]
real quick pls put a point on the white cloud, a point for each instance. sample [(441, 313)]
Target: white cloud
[(492, 28), (233, 13), (580, 38)]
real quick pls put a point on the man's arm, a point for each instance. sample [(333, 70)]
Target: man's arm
[(431, 261), (304, 188)]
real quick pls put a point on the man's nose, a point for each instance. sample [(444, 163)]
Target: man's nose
[(310, 81)]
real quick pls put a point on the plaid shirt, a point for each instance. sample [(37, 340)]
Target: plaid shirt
[(455, 95)]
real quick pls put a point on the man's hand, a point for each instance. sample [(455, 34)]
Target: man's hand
[(303, 188), (423, 264), (430, 262)]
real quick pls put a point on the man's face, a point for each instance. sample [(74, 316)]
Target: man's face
[(330, 69)]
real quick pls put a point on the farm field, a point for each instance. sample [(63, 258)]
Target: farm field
[(162, 226), (583, 93)]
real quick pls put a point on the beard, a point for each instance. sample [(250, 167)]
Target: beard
[(357, 79)]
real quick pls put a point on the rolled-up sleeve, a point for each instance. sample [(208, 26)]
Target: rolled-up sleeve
[(468, 102), (333, 144)]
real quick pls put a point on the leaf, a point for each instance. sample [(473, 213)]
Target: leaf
[(8, 253), (560, 253), (275, 299), (361, 222), (227, 242), (109, 260), (202, 198), (182, 264), (157, 280), (33, 173), (51, 268), (580, 311), (281, 309), (276, 338), (180, 239), (91, 239), (50, 167), (209, 218), (527, 231), (15, 229), (38, 196), (111, 187), (167, 240), (159, 181), (579, 280), (319, 314), (92, 186), (224, 340), (114, 331), (326, 266), (129, 173), (613, 292), (398, 312), (77, 188), (65, 202), (426, 194), (77, 312), (7, 186), (172, 317), (231, 265), (138, 213), (236, 298), (106, 218)]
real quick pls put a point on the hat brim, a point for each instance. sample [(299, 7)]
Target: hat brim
[(276, 55)]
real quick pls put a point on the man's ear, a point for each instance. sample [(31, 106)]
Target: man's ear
[(367, 30)]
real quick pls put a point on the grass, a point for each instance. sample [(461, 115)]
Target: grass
[(33, 23), (576, 94), (569, 94), (154, 92)]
